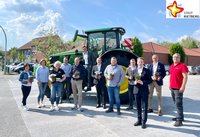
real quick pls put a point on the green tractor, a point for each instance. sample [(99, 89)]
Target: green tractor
[(106, 43)]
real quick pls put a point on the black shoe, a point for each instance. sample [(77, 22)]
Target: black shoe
[(104, 107), (143, 125), (178, 123), (98, 106), (118, 112), (174, 119), (109, 110), (150, 111), (129, 108), (138, 123)]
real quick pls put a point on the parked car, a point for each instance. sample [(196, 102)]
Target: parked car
[(167, 69), (197, 69), (192, 70), (20, 67)]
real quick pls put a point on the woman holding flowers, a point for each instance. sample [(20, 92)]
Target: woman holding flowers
[(57, 76), (26, 79)]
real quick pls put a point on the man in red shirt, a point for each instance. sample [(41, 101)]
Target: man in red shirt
[(178, 80)]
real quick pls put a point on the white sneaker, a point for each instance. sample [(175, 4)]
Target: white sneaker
[(25, 108), (51, 108), (57, 108), (42, 105), (39, 106)]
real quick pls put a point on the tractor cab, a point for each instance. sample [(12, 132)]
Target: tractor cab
[(101, 40)]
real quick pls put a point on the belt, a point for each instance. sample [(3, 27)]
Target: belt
[(76, 79), (174, 89)]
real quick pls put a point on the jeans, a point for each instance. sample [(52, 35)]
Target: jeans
[(178, 101), (56, 93), (25, 91), (42, 88), (113, 93)]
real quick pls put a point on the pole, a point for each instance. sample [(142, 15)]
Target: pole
[(5, 59)]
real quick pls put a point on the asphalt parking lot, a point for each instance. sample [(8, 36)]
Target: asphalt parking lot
[(93, 122)]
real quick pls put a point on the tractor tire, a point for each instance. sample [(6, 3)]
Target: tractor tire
[(123, 59)]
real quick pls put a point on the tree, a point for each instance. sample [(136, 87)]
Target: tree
[(137, 47), (12, 54), (49, 45), (189, 42), (177, 48), (166, 43), (71, 44)]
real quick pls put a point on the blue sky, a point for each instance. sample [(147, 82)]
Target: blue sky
[(24, 20)]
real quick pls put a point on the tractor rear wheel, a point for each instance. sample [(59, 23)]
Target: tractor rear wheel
[(123, 59)]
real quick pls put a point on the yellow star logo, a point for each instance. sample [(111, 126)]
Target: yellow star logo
[(174, 9)]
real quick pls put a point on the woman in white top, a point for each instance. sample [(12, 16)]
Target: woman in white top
[(26, 79), (42, 75)]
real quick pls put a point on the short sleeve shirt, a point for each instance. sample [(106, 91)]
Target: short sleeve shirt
[(176, 76), (58, 73)]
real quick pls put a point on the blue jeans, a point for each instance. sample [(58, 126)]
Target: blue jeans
[(42, 88), (56, 92), (113, 93), (178, 101)]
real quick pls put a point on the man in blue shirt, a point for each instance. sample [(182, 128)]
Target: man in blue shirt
[(115, 76), (67, 83)]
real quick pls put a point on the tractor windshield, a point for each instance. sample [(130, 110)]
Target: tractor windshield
[(102, 41)]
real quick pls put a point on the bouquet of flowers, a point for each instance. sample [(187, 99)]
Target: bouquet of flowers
[(111, 76), (157, 75), (76, 73), (30, 79), (137, 76), (131, 76), (97, 73), (53, 77)]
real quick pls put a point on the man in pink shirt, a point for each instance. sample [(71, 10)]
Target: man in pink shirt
[(178, 80)]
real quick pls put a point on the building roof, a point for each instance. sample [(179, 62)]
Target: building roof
[(28, 45), (191, 52), (154, 48)]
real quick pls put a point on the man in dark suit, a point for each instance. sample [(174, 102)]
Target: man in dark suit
[(142, 79), (157, 71), (88, 61), (100, 82)]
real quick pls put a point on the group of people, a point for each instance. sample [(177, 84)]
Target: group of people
[(141, 84)]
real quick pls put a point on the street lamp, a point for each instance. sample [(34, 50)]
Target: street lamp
[(5, 60)]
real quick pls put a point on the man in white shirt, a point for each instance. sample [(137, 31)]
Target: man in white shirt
[(88, 59), (157, 71)]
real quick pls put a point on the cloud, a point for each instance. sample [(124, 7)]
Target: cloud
[(181, 38), (147, 38), (48, 23), (22, 6), (196, 34)]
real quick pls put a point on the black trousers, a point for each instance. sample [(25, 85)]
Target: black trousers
[(102, 94), (142, 106), (67, 88), (25, 92), (131, 95)]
